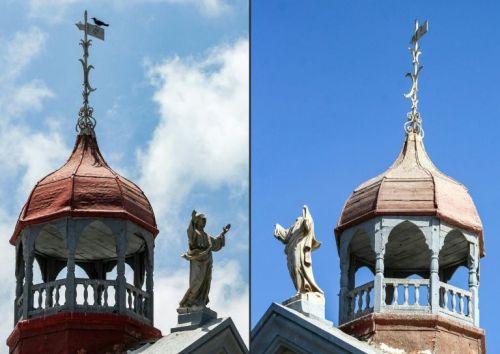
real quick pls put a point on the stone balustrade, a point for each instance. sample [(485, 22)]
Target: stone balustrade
[(410, 296), (361, 300), (455, 302), (90, 295), (137, 301), (47, 297), (406, 294)]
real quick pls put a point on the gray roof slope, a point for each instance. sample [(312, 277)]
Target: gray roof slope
[(217, 335), (284, 327)]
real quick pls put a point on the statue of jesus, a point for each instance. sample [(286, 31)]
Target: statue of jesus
[(300, 242), (199, 255)]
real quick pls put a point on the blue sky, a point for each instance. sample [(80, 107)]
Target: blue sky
[(328, 113), (170, 73)]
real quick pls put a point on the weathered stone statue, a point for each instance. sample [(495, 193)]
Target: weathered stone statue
[(199, 255), (300, 242)]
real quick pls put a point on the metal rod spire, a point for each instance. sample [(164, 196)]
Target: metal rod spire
[(414, 123), (86, 122)]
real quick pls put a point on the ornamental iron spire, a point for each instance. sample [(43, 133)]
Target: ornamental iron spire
[(414, 123), (86, 122)]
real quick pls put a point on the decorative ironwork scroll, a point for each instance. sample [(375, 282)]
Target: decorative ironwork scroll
[(86, 122), (414, 123)]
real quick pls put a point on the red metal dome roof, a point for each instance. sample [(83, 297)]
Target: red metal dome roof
[(85, 186), (412, 186)]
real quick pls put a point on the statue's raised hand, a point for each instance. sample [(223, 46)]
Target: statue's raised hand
[(226, 228)]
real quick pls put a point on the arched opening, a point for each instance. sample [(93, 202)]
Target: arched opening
[(406, 252), (79, 273), (407, 262), (129, 274), (360, 273), (454, 295), (37, 272), (50, 254), (361, 255), (454, 254), (95, 243), (362, 276)]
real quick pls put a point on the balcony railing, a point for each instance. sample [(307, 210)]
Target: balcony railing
[(91, 295), (455, 302), (410, 296), (360, 300), (406, 294)]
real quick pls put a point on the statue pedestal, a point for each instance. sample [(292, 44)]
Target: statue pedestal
[(309, 304), (189, 318)]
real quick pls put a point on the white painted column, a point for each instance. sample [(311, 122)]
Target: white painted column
[(378, 283), (473, 264), (344, 288), (28, 240), (72, 235), (149, 276), (434, 266), (20, 271), (119, 230)]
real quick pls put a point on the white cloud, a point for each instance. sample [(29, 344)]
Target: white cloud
[(7, 278), (19, 51), (202, 136), (200, 143), (210, 8), (25, 155), (229, 296), (54, 11)]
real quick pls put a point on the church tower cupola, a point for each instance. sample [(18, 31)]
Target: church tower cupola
[(84, 225), (412, 227)]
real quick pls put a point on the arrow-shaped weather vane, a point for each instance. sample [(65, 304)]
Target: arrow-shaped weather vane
[(414, 123), (86, 122)]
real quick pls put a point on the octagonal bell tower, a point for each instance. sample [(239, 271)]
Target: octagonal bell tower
[(412, 227), (84, 216)]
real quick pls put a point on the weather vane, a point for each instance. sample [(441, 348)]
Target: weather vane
[(414, 123), (86, 122)]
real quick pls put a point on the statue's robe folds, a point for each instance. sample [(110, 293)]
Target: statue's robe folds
[(201, 246), (300, 242)]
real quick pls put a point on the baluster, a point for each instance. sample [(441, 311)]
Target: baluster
[(395, 295), (406, 294), (105, 295), (48, 296), (453, 301), (445, 298), (461, 303), (368, 298), (417, 294), (57, 287), (115, 286), (384, 293), (85, 294), (137, 303), (129, 298), (353, 305), (40, 291), (360, 301), (98, 293), (95, 289)]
